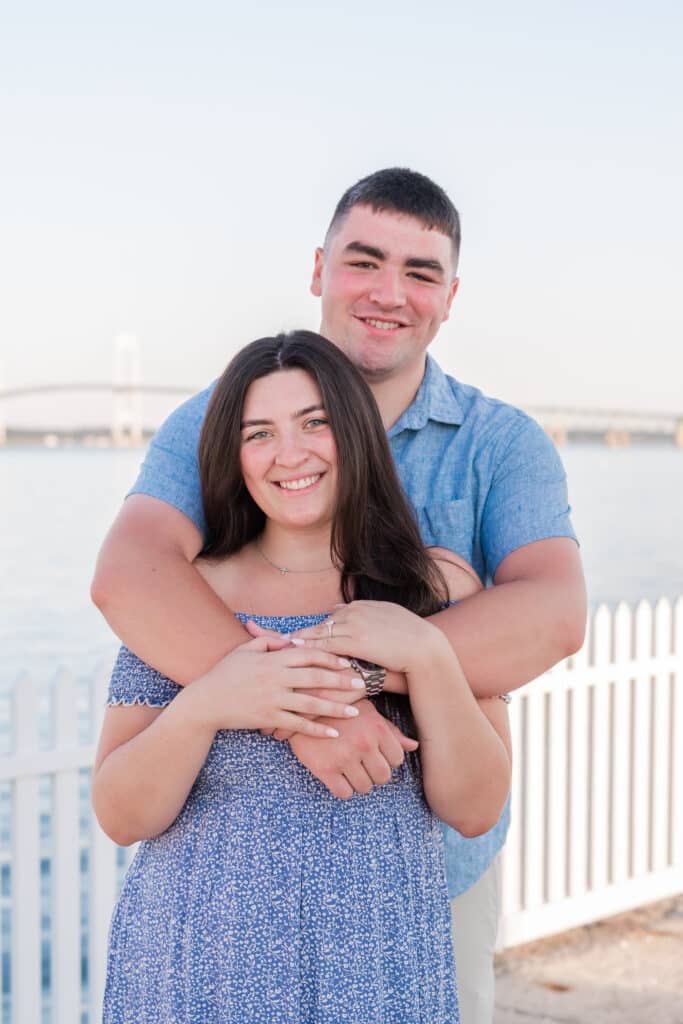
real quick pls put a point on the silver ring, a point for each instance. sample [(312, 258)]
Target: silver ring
[(330, 628)]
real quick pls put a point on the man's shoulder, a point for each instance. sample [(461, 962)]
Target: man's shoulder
[(481, 411), (186, 420)]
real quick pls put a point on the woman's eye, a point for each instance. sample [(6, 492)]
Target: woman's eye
[(317, 422), (257, 435)]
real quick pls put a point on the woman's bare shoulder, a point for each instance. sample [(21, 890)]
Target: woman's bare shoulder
[(461, 579), (226, 576)]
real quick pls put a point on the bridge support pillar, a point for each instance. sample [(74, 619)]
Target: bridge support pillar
[(559, 435), (126, 426), (617, 438)]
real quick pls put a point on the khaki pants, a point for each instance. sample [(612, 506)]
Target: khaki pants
[(474, 920)]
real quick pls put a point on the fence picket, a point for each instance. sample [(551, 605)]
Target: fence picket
[(599, 753), (26, 973), (534, 804), (661, 733), (676, 802), (511, 891), (620, 832), (66, 934), (556, 747), (578, 776), (102, 877), (642, 708)]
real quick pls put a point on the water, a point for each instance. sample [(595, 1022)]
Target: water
[(57, 506)]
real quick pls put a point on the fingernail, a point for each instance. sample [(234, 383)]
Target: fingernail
[(350, 711), (357, 683), (297, 643), (333, 733), (345, 663)]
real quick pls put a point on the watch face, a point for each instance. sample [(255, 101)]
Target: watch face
[(368, 666)]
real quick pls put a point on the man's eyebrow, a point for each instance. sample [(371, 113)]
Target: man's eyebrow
[(295, 416), (366, 250), (416, 263), (413, 262)]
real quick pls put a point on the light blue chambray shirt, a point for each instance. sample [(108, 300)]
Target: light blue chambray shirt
[(482, 477)]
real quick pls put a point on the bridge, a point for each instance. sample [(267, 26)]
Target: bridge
[(125, 427), (616, 428)]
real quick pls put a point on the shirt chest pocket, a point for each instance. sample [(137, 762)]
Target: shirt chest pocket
[(448, 524)]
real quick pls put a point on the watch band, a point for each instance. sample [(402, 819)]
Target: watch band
[(372, 675)]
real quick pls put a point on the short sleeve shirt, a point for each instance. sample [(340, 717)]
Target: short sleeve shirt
[(482, 477)]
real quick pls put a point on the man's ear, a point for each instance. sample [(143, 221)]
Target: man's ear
[(316, 282), (451, 296)]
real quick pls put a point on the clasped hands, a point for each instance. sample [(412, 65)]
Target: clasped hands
[(368, 746)]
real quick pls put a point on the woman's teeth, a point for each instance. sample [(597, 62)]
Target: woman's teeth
[(297, 485)]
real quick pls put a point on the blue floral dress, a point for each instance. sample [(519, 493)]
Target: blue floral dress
[(270, 901)]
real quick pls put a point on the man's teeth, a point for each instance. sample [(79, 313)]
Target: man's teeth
[(297, 485), (384, 325)]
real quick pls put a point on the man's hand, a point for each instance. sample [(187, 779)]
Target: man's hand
[(362, 757)]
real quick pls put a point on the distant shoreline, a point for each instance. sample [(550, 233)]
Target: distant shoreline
[(100, 438)]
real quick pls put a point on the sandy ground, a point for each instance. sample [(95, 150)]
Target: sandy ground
[(627, 969)]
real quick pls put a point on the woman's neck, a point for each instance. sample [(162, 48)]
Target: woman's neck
[(301, 550)]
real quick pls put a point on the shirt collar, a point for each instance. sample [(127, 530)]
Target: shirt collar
[(434, 400)]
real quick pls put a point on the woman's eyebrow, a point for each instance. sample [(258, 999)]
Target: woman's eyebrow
[(309, 408), (295, 416)]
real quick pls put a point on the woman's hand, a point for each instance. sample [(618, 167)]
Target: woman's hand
[(260, 685), (376, 631)]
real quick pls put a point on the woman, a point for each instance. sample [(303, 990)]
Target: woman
[(258, 895)]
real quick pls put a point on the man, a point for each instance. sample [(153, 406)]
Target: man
[(482, 477)]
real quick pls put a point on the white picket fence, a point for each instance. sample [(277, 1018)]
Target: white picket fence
[(597, 799)]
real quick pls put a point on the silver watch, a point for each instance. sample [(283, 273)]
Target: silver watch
[(372, 675)]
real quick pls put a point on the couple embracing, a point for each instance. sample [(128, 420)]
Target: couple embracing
[(306, 724)]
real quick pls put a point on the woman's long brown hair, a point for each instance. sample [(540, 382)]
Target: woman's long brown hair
[(375, 540)]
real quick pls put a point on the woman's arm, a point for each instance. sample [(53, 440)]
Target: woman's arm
[(464, 744), (148, 758), (147, 761)]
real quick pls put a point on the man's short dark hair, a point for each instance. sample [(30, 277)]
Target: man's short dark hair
[(400, 190)]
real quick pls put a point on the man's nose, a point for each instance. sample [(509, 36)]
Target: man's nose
[(388, 289)]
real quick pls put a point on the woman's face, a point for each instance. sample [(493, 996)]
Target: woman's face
[(288, 453)]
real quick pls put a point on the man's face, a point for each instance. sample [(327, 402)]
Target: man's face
[(386, 284)]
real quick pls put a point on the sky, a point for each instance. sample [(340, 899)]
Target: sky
[(168, 170)]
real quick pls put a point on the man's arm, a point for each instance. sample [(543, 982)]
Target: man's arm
[(153, 597), (533, 617), (155, 600)]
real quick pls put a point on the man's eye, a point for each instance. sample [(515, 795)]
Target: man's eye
[(362, 264), (422, 277)]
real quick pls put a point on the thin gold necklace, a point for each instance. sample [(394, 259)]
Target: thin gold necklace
[(283, 570)]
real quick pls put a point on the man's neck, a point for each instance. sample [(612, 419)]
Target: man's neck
[(394, 394)]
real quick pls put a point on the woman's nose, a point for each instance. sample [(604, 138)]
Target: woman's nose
[(291, 452)]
